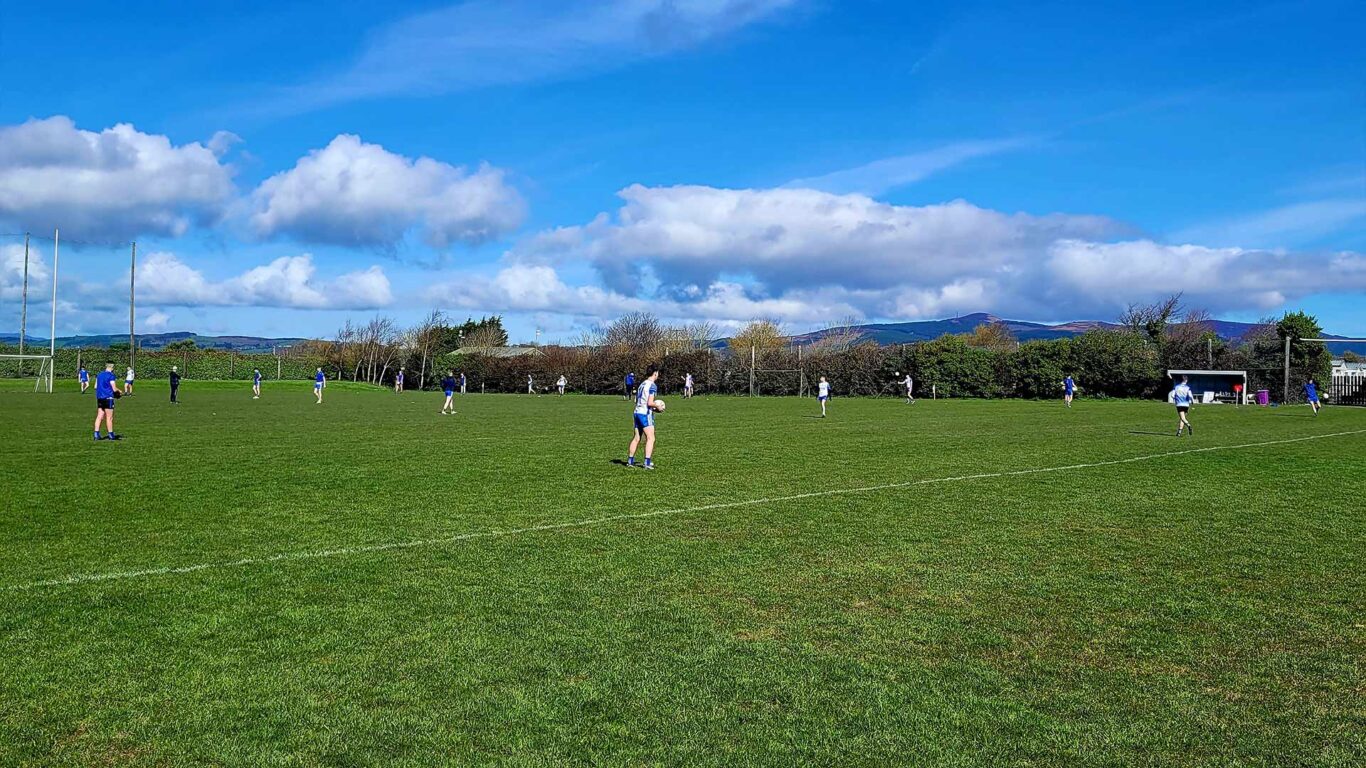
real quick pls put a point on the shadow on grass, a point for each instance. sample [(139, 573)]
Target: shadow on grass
[(1159, 434)]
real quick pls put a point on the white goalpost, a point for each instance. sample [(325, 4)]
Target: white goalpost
[(45, 375), (45, 362)]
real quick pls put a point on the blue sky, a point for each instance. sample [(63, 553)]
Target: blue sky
[(286, 165)]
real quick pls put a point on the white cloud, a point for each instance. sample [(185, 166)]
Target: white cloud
[(1286, 226), (494, 42), (12, 274), (112, 185), (807, 256), (155, 322), (357, 194), (289, 281), (891, 172)]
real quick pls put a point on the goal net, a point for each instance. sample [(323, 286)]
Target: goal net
[(22, 366)]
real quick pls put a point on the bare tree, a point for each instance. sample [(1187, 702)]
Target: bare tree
[(423, 340), (1151, 319), (764, 335), (995, 335), (839, 337), (483, 338), (635, 331)]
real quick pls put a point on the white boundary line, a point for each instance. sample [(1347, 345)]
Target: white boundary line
[(90, 578)]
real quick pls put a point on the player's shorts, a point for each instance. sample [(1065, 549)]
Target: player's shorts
[(822, 398), (317, 385), (1183, 409), (104, 403), (450, 393), (643, 420)]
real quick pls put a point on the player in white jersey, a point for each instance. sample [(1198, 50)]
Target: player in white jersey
[(398, 381), (643, 418), (909, 384), (823, 394), (1182, 397), (687, 385), (128, 382), (560, 384)]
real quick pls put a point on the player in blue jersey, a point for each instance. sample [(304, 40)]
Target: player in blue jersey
[(462, 382), (256, 384), (1182, 397), (84, 376), (643, 418), (630, 385), (1069, 388), (106, 390), (319, 382), (398, 382), (448, 386), (823, 394), (1311, 393)]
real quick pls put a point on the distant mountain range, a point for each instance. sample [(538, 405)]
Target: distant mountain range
[(882, 333), (159, 340), (925, 330)]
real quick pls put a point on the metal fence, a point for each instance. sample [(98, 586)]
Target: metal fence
[(1347, 390)]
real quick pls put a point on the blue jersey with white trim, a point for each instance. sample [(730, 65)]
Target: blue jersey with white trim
[(1182, 395)]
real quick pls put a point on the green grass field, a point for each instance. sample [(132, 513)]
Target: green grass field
[(262, 583)]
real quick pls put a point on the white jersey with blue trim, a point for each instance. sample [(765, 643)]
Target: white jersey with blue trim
[(643, 396), (823, 389)]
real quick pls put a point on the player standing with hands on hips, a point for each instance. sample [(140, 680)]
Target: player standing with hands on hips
[(644, 420), (256, 384), (319, 382)]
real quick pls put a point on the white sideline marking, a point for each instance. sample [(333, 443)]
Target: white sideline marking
[(90, 578)]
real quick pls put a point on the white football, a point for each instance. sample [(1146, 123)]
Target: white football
[(659, 405)]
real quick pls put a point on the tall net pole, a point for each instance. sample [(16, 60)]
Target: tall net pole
[(132, 283), (52, 335), (23, 309)]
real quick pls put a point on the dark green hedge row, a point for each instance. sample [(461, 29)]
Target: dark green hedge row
[(193, 364)]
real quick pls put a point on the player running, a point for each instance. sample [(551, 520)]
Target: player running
[(128, 381), (530, 384), (644, 418), (398, 382), (105, 392), (1311, 393), (448, 386), (687, 386), (560, 384), (319, 383), (1183, 397), (909, 384), (1069, 388), (823, 394), (256, 384), (84, 377)]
